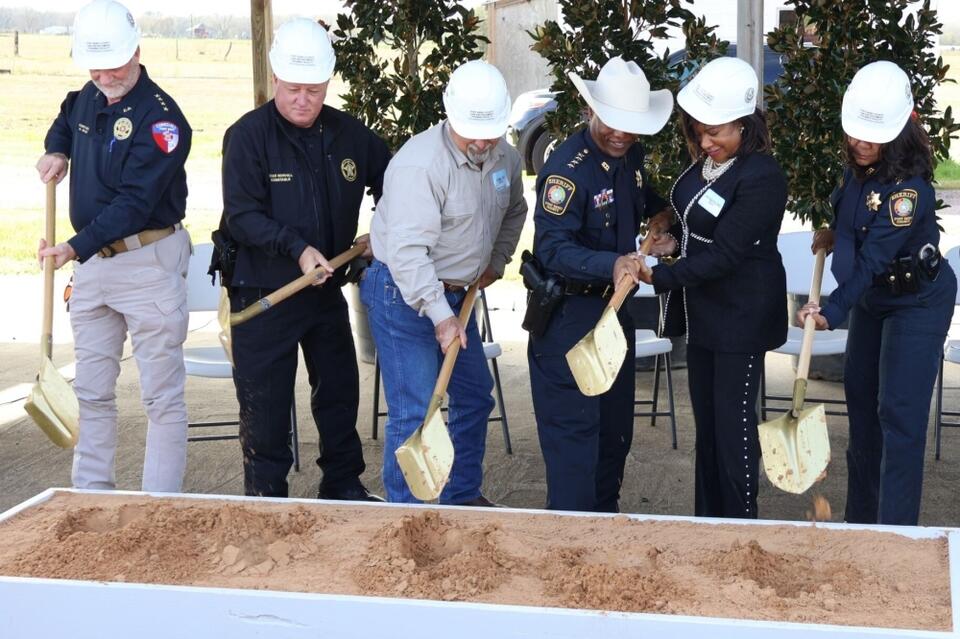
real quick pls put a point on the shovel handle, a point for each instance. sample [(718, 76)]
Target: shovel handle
[(297, 285), (809, 326), (450, 357), (50, 235), (620, 293)]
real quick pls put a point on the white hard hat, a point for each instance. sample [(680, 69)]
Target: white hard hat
[(302, 53), (477, 101), (622, 99), (724, 90), (877, 104), (105, 35)]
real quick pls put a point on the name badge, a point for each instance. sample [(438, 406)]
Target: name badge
[(711, 202), (500, 180)]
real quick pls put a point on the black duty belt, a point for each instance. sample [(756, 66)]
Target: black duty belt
[(902, 274)]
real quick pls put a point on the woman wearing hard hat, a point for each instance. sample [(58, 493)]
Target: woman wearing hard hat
[(895, 286), (727, 290)]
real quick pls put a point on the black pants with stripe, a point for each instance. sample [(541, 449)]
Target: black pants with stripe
[(723, 391)]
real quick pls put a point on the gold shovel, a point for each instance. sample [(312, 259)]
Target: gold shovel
[(52, 403), (796, 446), (427, 456), (226, 319), (596, 359)]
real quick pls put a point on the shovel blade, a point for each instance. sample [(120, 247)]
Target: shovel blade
[(596, 359), (426, 458), (796, 450), (53, 405)]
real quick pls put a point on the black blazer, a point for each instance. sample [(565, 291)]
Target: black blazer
[(732, 278)]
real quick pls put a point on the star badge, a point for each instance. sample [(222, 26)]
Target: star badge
[(639, 177), (873, 201)]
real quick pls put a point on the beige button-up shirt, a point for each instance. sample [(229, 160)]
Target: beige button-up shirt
[(443, 219)]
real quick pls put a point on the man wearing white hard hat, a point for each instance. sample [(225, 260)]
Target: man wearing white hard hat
[(592, 196), (451, 215), (127, 141), (896, 288), (294, 175), (726, 291)]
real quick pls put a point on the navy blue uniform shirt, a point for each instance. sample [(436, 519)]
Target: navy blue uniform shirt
[(281, 195), (589, 208), (874, 223), (127, 160)]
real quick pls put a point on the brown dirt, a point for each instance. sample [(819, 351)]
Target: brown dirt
[(788, 573)]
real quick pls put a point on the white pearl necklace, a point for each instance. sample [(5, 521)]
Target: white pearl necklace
[(711, 170)]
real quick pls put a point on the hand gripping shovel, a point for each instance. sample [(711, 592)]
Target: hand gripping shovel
[(427, 456), (52, 403), (596, 359), (796, 446), (227, 319)]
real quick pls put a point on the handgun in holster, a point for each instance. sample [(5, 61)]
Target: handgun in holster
[(224, 257), (544, 294)]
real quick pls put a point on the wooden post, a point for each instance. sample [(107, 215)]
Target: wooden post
[(750, 38), (261, 33), (16, 44)]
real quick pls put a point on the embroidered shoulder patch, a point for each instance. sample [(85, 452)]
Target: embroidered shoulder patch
[(557, 193), (166, 135), (903, 204)]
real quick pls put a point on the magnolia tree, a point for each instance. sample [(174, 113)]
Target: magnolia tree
[(397, 56), (804, 105)]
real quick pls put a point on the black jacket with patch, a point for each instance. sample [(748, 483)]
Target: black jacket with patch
[(276, 202)]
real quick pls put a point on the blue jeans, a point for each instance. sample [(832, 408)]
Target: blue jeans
[(410, 360)]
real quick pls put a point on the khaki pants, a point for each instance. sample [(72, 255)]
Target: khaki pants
[(143, 291)]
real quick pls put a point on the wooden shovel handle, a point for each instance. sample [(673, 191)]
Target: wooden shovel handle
[(809, 326), (49, 268), (620, 293), (450, 358), (295, 286)]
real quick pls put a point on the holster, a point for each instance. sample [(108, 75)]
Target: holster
[(544, 294), (224, 257)]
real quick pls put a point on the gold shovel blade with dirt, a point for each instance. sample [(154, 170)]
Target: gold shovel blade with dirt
[(227, 320), (796, 446), (426, 457), (52, 403)]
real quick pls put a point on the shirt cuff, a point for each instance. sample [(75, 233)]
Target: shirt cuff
[(833, 315), (83, 247), (438, 311)]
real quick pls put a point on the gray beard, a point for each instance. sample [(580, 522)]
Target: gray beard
[(478, 157)]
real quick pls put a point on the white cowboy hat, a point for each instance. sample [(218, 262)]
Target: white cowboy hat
[(622, 99)]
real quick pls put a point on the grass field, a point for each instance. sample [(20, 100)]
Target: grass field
[(212, 82)]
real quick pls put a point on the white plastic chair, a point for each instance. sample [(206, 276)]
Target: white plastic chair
[(211, 361), (648, 344), (798, 261), (951, 353)]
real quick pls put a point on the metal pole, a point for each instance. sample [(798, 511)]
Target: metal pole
[(261, 32), (750, 38)]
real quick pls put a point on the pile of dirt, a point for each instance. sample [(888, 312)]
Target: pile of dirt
[(804, 573)]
